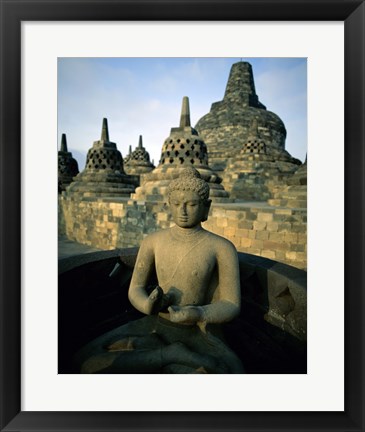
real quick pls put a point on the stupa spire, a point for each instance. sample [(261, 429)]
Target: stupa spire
[(63, 143), (185, 113), (241, 86), (140, 142), (105, 131)]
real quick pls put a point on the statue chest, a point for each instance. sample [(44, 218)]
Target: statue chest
[(185, 269)]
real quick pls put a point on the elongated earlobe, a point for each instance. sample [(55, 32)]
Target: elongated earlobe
[(207, 205)]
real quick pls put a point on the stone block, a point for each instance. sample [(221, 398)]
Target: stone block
[(272, 226), (301, 256), (280, 256), (242, 232), (222, 222), (302, 238), (259, 225), (262, 235), (283, 211), (299, 228), (245, 224), (291, 255), (276, 237), (246, 242), (268, 254), (250, 215), (265, 217), (252, 234), (291, 237), (284, 227), (298, 247), (219, 212), (229, 232), (231, 214), (233, 223), (279, 217), (257, 244)]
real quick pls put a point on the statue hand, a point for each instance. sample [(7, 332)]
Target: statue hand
[(158, 300), (185, 314)]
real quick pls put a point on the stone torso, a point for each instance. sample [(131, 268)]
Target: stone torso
[(186, 266)]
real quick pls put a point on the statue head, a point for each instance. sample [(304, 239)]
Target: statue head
[(189, 198)]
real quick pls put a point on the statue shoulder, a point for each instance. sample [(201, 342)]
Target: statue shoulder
[(220, 243), (155, 237)]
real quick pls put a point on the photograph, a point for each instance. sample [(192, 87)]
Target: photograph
[(214, 202)]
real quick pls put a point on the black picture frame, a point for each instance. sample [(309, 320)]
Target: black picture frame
[(352, 13)]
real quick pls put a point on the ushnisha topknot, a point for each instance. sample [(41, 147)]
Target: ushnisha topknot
[(190, 179)]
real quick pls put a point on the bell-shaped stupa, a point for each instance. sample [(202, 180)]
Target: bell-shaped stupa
[(259, 170), (184, 147), (226, 128), (138, 161), (126, 158), (103, 174), (67, 166)]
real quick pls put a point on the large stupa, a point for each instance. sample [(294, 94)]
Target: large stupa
[(226, 128)]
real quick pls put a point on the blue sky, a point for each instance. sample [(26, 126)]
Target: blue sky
[(142, 96)]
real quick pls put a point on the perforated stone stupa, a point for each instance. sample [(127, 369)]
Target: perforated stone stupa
[(68, 167), (225, 129), (259, 170), (103, 174), (138, 162), (184, 147)]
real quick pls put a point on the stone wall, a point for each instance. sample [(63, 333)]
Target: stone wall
[(255, 228), (276, 233)]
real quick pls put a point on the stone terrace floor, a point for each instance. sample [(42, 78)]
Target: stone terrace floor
[(68, 248)]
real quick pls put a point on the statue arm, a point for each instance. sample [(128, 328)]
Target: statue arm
[(143, 268), (226, 303)]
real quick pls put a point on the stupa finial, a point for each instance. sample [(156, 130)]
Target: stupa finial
[(140, 142), (105, 131), (185, 113), (63, 143)]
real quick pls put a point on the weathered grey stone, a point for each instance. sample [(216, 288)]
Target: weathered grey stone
[(67, 166), (226, 127), (183, 148), (258, 170), (138, 161), (293, 193), (103, 174)]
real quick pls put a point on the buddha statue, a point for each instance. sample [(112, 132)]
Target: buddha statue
[(198, 290)]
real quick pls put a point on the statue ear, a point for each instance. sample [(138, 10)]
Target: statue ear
[(207, 205)]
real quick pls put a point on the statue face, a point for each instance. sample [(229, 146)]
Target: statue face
[(187, 208)]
